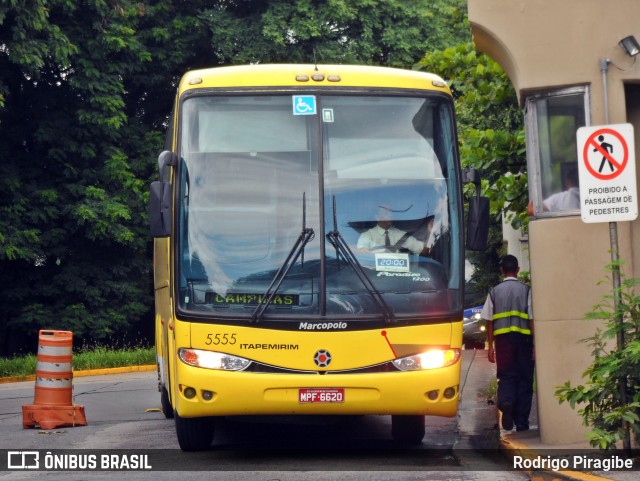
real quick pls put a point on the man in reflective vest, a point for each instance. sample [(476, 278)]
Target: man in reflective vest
[(510, 324)]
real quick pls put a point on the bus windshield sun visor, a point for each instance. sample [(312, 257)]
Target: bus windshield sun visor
[(306, 235), (342, 248)]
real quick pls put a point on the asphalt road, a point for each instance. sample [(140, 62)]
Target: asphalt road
[(123, 417)]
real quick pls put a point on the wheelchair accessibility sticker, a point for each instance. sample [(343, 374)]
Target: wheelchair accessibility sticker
[(304, 105)]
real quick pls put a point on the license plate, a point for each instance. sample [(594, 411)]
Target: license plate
[(320, 395)]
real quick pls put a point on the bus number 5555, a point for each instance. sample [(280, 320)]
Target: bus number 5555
[(220, 339)]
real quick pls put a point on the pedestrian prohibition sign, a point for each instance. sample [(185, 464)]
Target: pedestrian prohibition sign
[(607, 168), (604, 150)]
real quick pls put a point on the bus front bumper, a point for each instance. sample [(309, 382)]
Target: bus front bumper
[(203, 392)]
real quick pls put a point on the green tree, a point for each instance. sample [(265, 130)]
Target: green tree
[(85, 90), (70, 201), (392, 33), (491, 139)]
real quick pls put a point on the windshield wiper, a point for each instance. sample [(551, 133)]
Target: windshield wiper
[(342, 248), (306, 235)]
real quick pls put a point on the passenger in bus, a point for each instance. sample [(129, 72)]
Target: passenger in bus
[(384, 236)]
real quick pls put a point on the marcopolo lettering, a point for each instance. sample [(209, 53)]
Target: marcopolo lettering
[(322, 326)]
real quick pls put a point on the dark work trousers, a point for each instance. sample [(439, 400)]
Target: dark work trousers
[(515, 374)]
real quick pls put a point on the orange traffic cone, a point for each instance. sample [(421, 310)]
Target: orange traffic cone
[(52, 404)]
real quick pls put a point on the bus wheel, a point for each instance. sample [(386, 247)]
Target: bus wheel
[(407, 430), (194, 434), (167, 409)]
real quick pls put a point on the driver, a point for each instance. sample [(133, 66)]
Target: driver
[(384, 236)]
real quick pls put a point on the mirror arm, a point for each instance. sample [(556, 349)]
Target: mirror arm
[(472, 176), (166, 158)]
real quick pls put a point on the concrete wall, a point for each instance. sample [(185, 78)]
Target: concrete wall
[(567, 259), (549, 43), (517, 243), (543, 45)]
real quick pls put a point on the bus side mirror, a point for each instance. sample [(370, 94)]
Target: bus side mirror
[(160, 209), (160, 198), (478, 221)]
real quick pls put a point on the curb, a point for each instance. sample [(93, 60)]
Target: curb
[(86, 372), (512, 447)]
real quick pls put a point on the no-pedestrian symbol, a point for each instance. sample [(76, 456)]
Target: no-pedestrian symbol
[(605, 154), (606, 164)]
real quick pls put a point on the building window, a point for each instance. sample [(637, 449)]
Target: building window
[(552, 120)]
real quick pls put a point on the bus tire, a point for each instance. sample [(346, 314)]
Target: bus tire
[(407, 430), (194, 434), (167, 409)]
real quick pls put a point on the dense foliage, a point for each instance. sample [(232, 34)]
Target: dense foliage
[(491, 132), (85, 90)]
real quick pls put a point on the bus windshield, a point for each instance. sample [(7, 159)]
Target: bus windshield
[(371, 179)]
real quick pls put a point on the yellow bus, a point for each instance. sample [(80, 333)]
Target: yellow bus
[(309, 247)]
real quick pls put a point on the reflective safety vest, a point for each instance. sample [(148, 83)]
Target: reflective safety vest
[(510, 301)]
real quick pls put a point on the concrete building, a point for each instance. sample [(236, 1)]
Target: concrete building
[(560, 55), (517, 242)]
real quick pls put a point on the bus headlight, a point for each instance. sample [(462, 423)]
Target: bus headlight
[(431, 359), (213, 360)]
